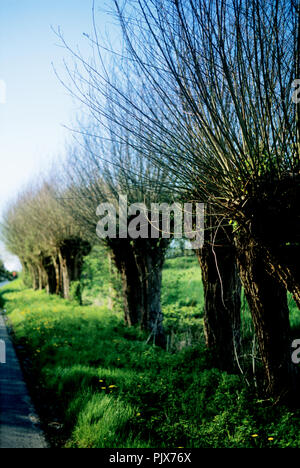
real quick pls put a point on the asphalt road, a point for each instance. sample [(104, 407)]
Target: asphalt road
[(18, 420)]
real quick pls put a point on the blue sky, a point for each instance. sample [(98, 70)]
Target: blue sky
[(37, 105)]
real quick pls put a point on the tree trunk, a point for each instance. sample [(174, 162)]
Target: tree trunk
[(26, 270), (267, 300), (74, 250), (122, 255), (273, 216), (51, 275), (222, 303), (149, 257), (40, 278), (222, 294), (111, 289), (153, 316), (64, 275), (284, 263), (58, 285), (43, 275), (140, 264), (34, 276), (70, 254)]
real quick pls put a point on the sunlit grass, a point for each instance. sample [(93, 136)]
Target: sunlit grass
[(98, 384)]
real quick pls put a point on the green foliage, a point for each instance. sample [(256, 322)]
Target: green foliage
[(182, 302), (4, 274), (26, 279), (182, 284), (179, 248), (2, 270), (100, 282), (76, 292), (98, 384)]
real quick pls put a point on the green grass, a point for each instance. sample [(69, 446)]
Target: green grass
[(182, 302), (182, 284), (97, 384), (100, 282)]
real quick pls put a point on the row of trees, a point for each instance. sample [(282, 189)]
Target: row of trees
[(45, 238), (195, 104), (53, 226)]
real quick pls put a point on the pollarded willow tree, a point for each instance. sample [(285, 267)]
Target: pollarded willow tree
[(19, 240), (113, 182), (63, 243), (48, 242), (232, 64), (212, 100), (150, 111)]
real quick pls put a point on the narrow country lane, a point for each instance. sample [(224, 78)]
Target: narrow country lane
[(17, 416)]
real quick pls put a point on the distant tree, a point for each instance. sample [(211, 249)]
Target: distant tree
[(125, 98), (45, 238), (99, 172)]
